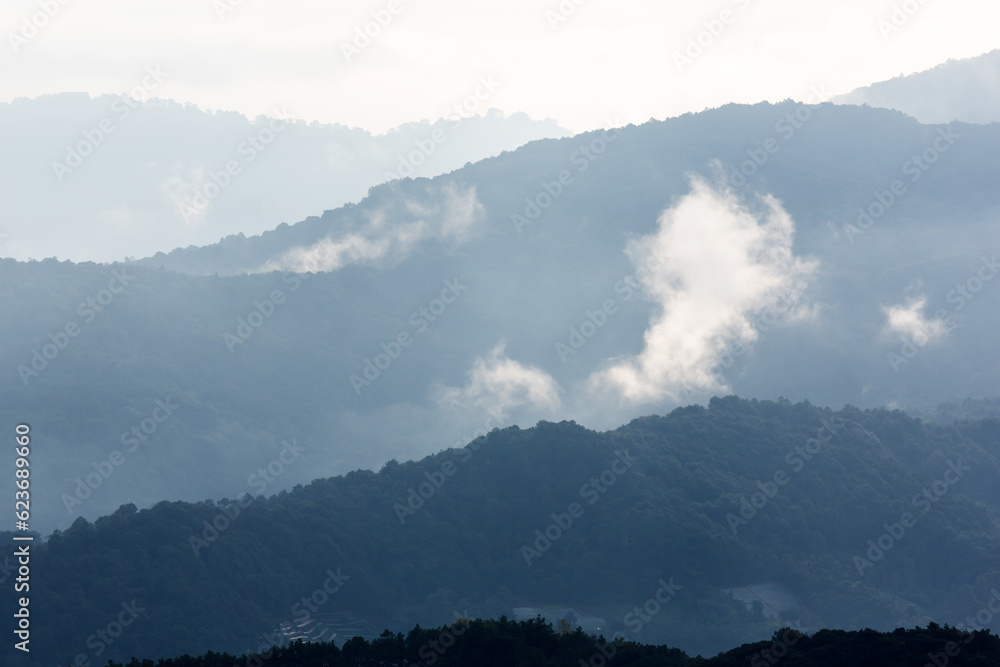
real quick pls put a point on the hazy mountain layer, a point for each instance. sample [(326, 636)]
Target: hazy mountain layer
[(590, 278), (965, 90), (104, 178)]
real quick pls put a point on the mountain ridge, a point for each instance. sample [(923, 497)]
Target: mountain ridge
[(664, 517), (963, 90), (142, 173)]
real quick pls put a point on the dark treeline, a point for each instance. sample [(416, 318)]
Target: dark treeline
[(536, 644)]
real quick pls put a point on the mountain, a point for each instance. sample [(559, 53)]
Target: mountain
[(702, 529), (102, 178), (966, 91), (828, 166), (592, 278)]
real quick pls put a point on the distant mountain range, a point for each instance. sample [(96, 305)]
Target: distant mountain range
[(836, 253), (656, 532), (966, 91), (113, 176)]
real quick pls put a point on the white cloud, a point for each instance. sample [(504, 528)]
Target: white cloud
[(330, 255), (725, 266), (909, 321), (500, 383), (385, 236), (181, 193)]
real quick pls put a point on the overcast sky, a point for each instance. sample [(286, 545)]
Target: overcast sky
[(606, 62)]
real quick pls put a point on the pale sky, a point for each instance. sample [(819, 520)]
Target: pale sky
[(607, 63)]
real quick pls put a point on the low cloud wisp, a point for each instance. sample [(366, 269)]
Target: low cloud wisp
[(725, 265)]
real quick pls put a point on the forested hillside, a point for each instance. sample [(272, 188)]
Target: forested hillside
[(863, 519)]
